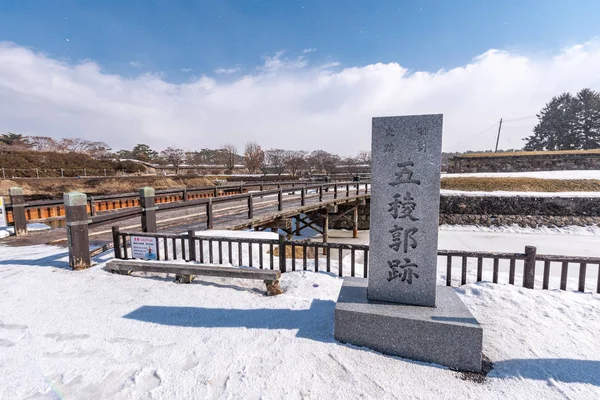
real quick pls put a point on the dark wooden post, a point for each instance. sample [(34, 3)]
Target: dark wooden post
[(303, 196), (116, 241), (185, 196), (262, 187), (92, 206), (280, 200), (282, 258), (529, 267), (325, 228), (320, 193), (250, 207), (216, 192), (355, 223), (18, 210), (209, 214), (147, 202), (77, 230), (192, 244), (347, 190), (335, 190)]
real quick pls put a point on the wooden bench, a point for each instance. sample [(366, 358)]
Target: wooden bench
[(185, 272)]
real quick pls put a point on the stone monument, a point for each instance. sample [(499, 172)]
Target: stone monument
[(400, 310)]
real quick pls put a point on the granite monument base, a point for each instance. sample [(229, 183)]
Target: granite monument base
[(447, 334)]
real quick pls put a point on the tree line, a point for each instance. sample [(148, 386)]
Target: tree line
[(253, 158), (568, 122)]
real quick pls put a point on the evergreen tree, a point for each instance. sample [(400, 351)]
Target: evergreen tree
[(554, 130), (588, 118)]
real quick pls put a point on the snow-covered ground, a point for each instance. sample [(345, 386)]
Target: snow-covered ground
[(576, 174), (91, 334)]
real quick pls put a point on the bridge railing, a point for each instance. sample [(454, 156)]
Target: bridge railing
[(44, 210), (352, 260)]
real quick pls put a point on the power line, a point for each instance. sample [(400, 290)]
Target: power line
[(476, 135), (520, 118)]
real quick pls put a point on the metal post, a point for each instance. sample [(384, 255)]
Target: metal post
[(529, 267), (282, 258), (77, 230), (18, 210), (116, 241), (148, 204)]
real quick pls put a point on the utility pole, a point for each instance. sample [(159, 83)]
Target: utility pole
[(498, 138)]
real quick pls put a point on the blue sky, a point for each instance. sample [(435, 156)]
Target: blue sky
[(288, 74), (183, 39)]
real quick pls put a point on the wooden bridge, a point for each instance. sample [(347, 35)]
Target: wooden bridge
[(278, 208)]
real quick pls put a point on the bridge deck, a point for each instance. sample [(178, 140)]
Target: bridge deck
[(230, 215)]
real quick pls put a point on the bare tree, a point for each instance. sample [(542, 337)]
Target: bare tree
[(323, 161), (228, 157), (74, 145), (350, 164), (364, 157), (276, 160), (99, 150), (42, 143), (173, 156), (294, 161), (254, 157)]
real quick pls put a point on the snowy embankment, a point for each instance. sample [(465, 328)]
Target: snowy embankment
[(92, 334), (575, 174)]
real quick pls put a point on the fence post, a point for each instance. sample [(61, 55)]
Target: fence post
[(18, 210), (216, 192), (185, 197), (320, 193), (282, 258), (347, 190), (280, 200), (209, 214), (116, 241), (335, 190), (77, 230), (250, 207), (148, 204), (192, 244), (529, 267), (303, 196), (92, 206)]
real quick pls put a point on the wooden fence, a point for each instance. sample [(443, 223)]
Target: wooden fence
[(287, 255)]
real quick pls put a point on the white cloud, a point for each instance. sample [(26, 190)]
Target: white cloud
[(286, 103), (278, 62), (186, 70), (136, 64), (311, 50), (227, 71)]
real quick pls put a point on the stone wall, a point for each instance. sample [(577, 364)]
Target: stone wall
[(497, 211), (538, 162)]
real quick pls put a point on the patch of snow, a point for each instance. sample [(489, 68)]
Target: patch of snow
[(92, 334), (238, 234), (10, 230), (591, 230), (575, 174)]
